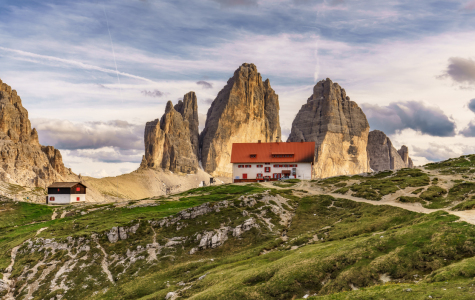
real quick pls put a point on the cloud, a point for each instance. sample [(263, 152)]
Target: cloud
[(471, 105), (414, 115), (154, 93), (64, 134), (205, 84), (55, 61), (337, 2), (470, 5), (101, 86), (236, 3), (202, 121), (469, 131), (207, 101), (435, 152), (108, 155), (461, 70)]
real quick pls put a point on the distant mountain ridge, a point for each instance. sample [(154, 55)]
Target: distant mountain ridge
[(247, 110), (24, 160)]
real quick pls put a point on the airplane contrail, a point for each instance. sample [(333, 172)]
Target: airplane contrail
[(71, 63)]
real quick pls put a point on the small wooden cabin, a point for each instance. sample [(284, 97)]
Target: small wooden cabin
[(66, 193)]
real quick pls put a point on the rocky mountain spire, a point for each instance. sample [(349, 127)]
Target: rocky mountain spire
[(381, 153), (338, 127), (24, 160), (172, 142), (245, 110), (404, 153)]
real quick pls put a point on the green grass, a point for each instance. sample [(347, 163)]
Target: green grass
[(21, 213), (466, 205), (407, 199), (384, 183), (340, 243), (417, 191)]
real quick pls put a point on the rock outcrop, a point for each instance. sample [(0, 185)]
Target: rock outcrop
[(404, 153), (339, 129), (245, 110), (23, 160), (172, 142), (383, 156)]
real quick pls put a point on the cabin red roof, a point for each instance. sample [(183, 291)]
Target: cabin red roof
[(273, 152)]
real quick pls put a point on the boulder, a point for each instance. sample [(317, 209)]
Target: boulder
[(246, 110), (339, 129), (113, 235), (172, 143)]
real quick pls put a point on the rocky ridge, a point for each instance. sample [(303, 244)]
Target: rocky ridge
[(382, 154), (171, 143), (245, 110), (23, 160), (339, 129), (67, 265)]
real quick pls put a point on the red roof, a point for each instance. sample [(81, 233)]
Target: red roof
[(267, 152)]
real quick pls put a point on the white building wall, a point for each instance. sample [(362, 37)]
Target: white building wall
[(66, 198), (59, 199), (303, 170), (82, 198)]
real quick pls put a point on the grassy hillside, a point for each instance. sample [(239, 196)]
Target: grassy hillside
[(329, 239)]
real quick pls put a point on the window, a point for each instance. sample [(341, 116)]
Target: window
[(259, 166), (275, 166), (295, 166), (78, 198), (276, 175), (267, 169), (51, 198), (259, 175), (286, 166), (280, 166), (253, 156), (78, 189), (248, 166), (267, 163), (244, 176)]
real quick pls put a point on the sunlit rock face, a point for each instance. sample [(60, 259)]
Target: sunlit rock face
[(339, 129), (382, 154), (23, 160), (172, 143), (246, 110)]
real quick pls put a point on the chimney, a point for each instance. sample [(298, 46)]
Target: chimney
[(259, 141)]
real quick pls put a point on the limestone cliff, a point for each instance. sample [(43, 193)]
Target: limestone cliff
[(404, 153), (172, 142), (23, 160), (337, 126), (383, 156), (245, 110)]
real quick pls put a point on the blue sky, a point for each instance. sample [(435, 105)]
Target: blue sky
[(408, 64)]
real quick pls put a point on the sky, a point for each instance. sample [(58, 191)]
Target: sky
[(92, 73)]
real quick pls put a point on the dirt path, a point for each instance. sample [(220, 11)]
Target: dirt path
[(53, 217), (467, 216)]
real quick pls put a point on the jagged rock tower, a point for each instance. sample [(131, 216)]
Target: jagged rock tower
[(23, 160), (172, 142), (383, 156), (339, 129), (245, 110)]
